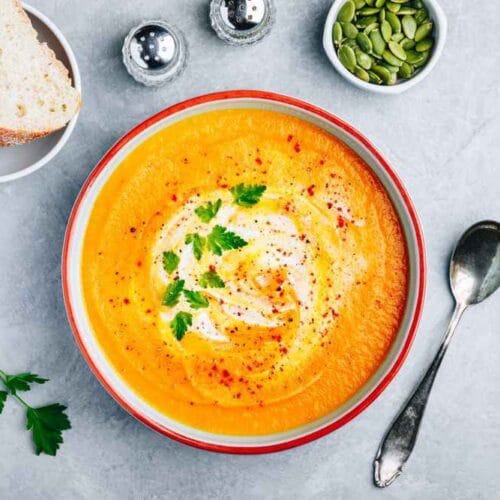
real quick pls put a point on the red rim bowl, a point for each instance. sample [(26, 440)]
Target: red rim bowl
[(96, 358)]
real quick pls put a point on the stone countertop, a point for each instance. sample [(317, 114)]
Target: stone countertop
[(443, 139)]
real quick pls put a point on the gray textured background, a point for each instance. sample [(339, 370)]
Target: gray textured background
[(443, 139)]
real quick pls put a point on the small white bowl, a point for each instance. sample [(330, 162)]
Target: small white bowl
[(18, 161), (440, 29)]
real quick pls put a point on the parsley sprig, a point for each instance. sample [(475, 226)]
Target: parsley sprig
[(46, 423), (220, 239), (207, 212), (247, 195)]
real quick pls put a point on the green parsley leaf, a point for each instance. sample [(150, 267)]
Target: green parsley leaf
[(170, 261), (173, 293), (221, 239), (180, 324), (198, 244), (196, 299), (3, 398), (209, 211), (247, 195), (22, 381), (211, 279), (47, 424)]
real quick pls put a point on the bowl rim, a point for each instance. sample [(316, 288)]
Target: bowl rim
[(441, 23), (77, 82), (420, 285)]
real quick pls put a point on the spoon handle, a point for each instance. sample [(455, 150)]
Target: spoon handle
[(399, 441)]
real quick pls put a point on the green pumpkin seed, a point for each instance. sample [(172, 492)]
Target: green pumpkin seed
[(424, 45), (337, 34), (397, 37), (379, 3), (421, 16), (366, 21), (390, 67), (407, 11), (423, 31), (397, 50), (409, 26), (374, 78), (392, 7), (362, 74), (400, 1), (406, 70), (364, 42), (371, 3), (350, 42), (394, 22), (392, 79), (346, 12), (350, 31), (382, 72), (390, 58), (425, 58), (359, 4), (414, 57), (386, 30), (377, 42), (407, 44), (418, 4), (368, 11), (370, 28), (347, 57), (381, 15), (364, 60)]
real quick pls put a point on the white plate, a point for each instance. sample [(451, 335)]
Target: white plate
[(18, 161)]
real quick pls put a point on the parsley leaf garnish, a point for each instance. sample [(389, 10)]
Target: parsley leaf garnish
[(221, 239), (173, 293), (22, 381), (196, 299), (198, 244), (180, 324), (211, 279), (170, 261), (3, 398), (209, 211), (247, 195), (47, 424)]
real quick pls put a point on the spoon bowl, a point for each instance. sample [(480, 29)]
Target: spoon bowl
[(475, 265)]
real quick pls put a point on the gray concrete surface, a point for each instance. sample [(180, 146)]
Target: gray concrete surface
[(443, 139)]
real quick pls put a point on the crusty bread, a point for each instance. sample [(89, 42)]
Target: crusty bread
[(36, 94)]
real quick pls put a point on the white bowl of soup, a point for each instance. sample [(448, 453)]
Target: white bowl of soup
[(244, 272)]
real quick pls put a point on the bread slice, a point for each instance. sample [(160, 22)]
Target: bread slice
[(36, 93)]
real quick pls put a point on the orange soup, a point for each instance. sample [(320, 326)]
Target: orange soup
[(244, 272)]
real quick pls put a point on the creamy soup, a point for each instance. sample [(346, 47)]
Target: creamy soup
[(244, 272)]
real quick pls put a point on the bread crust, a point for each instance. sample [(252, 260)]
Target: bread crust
[(11, 137)]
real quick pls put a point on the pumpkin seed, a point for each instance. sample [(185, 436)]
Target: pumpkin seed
[(381, 15), (397, 37), (414, 57), (392, 7), (377, 42), (409, 26), (406, 70), (374, 78), (347, 57), (371, 3), (393, 21), (366, 21), (337, 34), (346, 12), (423, 31), (407, 44), (425, 58), (386, 30), (364, 42), (424, 45), (362, 74), (421, 16), (400, 1), (350, 42), (390, 67), (393, 78), (364, 60), (359, 4), (370, 28), (350, 31), (407, 11), (390, 58), (418, 4), (379, 3), (382, 72), (368, 11)]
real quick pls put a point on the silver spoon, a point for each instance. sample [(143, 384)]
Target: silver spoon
[(474, 276)]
